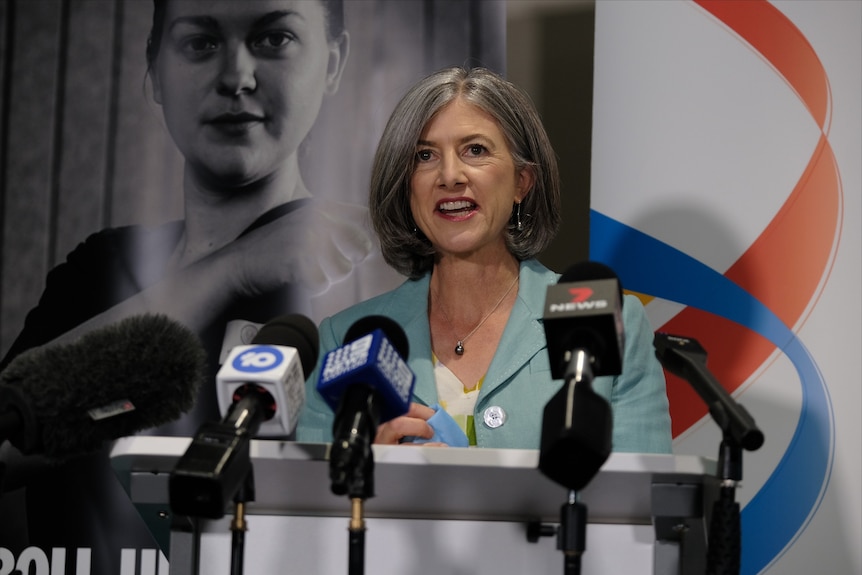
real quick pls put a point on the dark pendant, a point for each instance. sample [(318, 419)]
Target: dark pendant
[(459, 349)]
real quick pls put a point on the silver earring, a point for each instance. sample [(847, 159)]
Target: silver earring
[(518, 225)]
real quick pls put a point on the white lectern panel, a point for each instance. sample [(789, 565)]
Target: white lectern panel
[(436, 510)]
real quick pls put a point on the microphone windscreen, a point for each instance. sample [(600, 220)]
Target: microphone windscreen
[(390, 328), (588, 271), (114, 381), (577, 431), (296, 331)]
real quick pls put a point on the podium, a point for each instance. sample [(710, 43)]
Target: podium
[(436, 511)]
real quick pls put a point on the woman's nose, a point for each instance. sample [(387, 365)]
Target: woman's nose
[(238, 71), (451, 174)]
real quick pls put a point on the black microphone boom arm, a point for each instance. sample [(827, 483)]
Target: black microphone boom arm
[(686, 358)]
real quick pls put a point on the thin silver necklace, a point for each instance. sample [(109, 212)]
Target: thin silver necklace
[(459, 347)]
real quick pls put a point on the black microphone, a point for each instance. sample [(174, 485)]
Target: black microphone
[(69, 399), (365, 382), (686, 358), (583, 310), (258, 384), (584, 332)]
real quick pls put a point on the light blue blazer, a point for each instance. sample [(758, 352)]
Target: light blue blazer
[(518, 382)]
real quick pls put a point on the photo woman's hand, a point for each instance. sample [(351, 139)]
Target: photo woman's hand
[(313, 246)]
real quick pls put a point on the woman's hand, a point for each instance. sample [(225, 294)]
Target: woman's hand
[(413, 424)]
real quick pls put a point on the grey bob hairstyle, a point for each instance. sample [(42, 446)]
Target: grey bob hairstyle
[(404, 247)]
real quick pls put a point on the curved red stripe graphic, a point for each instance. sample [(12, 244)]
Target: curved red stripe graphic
[(776, 38), (784, 266)]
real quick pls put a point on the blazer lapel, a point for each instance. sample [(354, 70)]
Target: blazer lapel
[(524, 335), (410, 309)]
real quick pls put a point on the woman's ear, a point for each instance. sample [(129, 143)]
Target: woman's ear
[(526, 181), (339, 50), (157, 85)]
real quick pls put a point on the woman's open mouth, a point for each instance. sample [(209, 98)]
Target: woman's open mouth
[(456, 208)]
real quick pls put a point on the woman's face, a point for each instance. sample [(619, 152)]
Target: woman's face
[(241, 82), (465, 181)]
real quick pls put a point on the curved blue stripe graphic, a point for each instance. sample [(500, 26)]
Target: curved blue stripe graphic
[(784, 505)]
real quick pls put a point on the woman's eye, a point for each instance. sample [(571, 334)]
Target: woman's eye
[(476, 149), (274, 40), (423, 155), (199, 45)]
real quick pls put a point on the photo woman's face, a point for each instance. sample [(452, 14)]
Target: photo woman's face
[(241, 82)]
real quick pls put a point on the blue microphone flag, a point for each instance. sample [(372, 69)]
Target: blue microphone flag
[(370, 360)]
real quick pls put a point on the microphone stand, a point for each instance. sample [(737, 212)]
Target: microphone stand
[(356, 537), (588, 441), (217, 468), (572, 536), (351, 468), (359, 487), (724, 540), (686, 358), (238, 525)]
